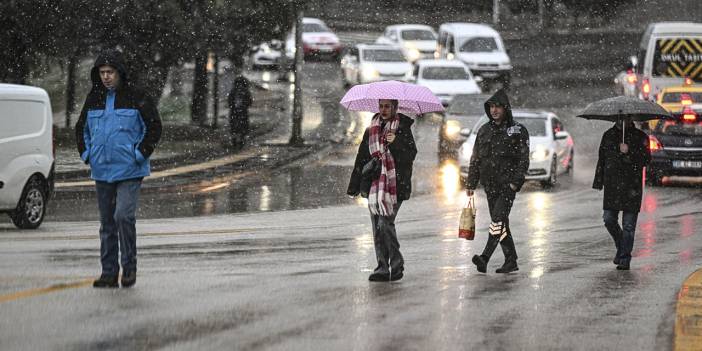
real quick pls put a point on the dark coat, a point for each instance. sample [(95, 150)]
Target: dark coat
[(621, 175), (403, 151), (239, 98), (501, 152)]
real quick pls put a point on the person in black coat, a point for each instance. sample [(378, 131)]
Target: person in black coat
[(499, 162), (239, 100), (620, 172), (395, 132)]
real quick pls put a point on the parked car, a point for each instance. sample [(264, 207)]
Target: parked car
[(445, 78), (318, 41), (465, 110), (416, 41), (26, 154), (551, 146), (626, 80), (676, 146), (669, 53), (364, 63), (478, 46), (266, 55)]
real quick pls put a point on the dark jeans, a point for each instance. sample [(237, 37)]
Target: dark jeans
[(500, 200), (623, 236), (387, 248), (117, 203)]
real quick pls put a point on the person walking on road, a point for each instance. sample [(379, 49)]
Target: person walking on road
[(620, 172), (239, 100), (118, 129), (499, 162), (389, 139)]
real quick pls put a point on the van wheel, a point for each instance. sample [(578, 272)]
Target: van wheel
[(32, 205)]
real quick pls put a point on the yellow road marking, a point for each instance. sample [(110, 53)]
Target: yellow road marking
[(177, 170), (688, 319), (42, 291)]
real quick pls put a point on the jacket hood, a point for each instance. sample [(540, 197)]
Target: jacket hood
[(500, 98), (112, 58)]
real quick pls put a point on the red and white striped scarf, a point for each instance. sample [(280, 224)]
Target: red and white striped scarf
[(383, 193)]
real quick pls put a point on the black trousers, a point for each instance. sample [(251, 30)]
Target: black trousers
[(500, 200)]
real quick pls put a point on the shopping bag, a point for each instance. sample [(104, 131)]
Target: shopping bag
[(466, 226)]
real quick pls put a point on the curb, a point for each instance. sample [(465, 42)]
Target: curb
[(688, 314)]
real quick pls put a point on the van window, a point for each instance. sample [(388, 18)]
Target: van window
[(19, 117), (678, 57), (479, 44), (417, 34)]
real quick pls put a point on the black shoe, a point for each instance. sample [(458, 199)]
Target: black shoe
[(623, 266), (379, 277), (128, 279), (397, 276), (509, 266), (615, 260), (106, 281), (481, 263)]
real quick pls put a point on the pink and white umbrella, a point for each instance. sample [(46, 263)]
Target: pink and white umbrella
[(412, 98)]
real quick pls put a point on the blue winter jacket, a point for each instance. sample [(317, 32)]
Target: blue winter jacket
[(118, 129)]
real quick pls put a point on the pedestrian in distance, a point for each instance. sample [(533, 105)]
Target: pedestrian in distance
[(499, 162), (620, 172), (239, 100), (118, 129), (390, 142)]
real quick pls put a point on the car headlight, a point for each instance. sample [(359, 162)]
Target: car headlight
[(452, 128), (413, 54), (370, 72), (539, 154)]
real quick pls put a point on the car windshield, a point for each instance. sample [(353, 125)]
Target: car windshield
[(467, 105), (679, 127), (677, 97), (418, 34), (445, 73), (383, 55), (535, 126), (479, 44), (314, 28)]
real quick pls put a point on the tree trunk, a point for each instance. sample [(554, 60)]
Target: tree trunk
[(199, 104), (215, 92), (71, 88)]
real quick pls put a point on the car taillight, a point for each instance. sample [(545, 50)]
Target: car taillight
[(646, 89), (653, 144), (689, 115)]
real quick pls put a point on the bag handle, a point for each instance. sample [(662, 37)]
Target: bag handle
[(470, 203)]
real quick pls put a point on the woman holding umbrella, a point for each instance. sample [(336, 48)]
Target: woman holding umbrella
[(383, 168)]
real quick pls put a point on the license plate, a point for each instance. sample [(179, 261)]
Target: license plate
[(489, 74), (687, 164), (325, 49)]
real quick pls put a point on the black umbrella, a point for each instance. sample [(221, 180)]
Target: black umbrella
[(624, 107)]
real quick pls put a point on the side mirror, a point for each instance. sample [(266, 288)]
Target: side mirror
[(465, 132), (561, 135)]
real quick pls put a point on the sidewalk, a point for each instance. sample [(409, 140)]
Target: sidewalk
[(186, 149)]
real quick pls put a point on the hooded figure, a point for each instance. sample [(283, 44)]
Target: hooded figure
[(118, 129), (239, 100), (620, 172), (499, 162)]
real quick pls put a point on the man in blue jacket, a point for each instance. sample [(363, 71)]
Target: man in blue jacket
[(118, 129)]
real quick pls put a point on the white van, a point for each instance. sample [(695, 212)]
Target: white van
[(417, 41), (669, 53), (26, 154), (478, 46)]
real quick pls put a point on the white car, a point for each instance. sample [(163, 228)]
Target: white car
[(445, 78), (317, 40), (551, 148), (26, 154), (416, 41), (266, 55), (370, 63)]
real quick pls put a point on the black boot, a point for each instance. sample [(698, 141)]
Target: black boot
[(510, 253), (106, 281), (482, 260)]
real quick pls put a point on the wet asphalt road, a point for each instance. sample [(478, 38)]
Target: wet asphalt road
[(297, 279)]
